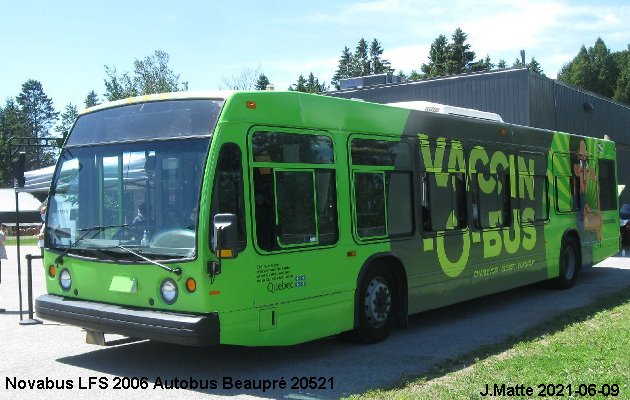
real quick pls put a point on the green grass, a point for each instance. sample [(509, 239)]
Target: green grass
[(590, 345), (24, 241)]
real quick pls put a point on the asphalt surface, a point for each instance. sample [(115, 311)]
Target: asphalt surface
[(57, 356)]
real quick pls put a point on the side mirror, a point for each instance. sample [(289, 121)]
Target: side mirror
[(225, 243)]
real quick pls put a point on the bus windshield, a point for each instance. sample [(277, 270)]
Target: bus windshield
[(145, 193), (152, 187)]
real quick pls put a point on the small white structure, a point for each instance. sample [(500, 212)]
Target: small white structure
[(29, 210), (445, 109)]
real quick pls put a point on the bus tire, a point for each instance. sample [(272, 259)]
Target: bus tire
[(377, 305), (569, 264)]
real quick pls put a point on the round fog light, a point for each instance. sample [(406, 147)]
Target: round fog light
[(65, 280), (168, 290)]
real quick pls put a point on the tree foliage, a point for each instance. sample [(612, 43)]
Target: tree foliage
[(150, 75), (366, 60), (310, 85), (246, 79), (91, 99), (39, 116), (533, 65), (601, 71), (622, 89), (67, 119), (459, 54), (262, 82), (450, 58), (438, 58), (12, 124), (378, 65)]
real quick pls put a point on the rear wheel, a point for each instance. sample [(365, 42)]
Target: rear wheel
[(377, 294), (569, 262)]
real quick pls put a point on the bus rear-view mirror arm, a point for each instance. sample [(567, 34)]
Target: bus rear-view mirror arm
[(225, 240)]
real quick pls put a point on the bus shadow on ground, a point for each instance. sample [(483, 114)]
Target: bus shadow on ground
[(475, 329)]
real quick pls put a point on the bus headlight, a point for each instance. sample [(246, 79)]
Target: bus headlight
[(168, 289), (65, 280)]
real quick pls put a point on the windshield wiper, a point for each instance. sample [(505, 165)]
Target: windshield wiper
[(96, 228), (176, 271)]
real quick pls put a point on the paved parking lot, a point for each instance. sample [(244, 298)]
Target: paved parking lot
[(56, 359)]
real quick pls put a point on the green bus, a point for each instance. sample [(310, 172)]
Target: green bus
[(275, 218)]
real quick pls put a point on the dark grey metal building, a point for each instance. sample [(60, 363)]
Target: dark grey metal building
[(520, 97)]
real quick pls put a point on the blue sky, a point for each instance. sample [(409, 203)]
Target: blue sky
[(66, 44)]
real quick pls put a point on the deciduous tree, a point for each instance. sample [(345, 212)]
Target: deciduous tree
[(150, 75), (592, 69), (244, 80)]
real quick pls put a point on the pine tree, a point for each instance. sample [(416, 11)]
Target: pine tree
[(40, 115), (262, 82), (92, 99), (310, 85), (437, 58), (377, 64), (518, 63), (459, 54), (361, 61), (534, 66), (67, 119), (300, 86), (344, 67), (12, 124)]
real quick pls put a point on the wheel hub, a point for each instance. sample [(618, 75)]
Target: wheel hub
[(378, 302)]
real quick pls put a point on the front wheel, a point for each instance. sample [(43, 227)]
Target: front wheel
[(569, 263), (376, 301)]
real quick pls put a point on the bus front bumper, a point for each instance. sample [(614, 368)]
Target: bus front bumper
[(162, 326)]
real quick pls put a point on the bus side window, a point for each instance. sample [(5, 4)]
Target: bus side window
[(370, 204), (265, 208), (383, 192), (607, 187), (227, 193), (491, 205), (294, 190), (444, 201)]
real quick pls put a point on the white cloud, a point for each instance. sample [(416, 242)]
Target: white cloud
[(407, 58), (551, 31)]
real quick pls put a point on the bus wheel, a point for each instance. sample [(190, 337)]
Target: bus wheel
[(569, 262), (376, 305)]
